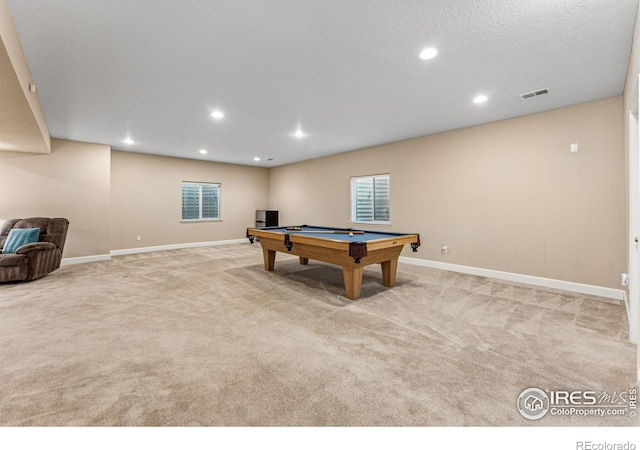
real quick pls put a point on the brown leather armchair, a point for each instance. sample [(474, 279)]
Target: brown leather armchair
[(37, 259)]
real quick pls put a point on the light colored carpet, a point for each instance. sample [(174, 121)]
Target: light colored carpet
[(206, 337)]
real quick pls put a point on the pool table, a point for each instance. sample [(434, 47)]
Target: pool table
[(350, 248)]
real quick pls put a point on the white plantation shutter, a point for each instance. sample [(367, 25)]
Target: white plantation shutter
[(364, 200), (381, 199), (370, 199), (190, 201), (200, 201), (210, 201)]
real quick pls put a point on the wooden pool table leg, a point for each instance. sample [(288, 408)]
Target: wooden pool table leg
[(269, 258), (352, 281), (389, 269), (304, 261)]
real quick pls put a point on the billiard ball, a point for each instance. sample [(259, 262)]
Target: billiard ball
[(350, 234)]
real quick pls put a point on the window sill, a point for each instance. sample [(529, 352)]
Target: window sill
[(200, 220), (375, 224)]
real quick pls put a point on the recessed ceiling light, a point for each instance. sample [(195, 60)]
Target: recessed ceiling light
[(429, 53), (129, 141), (203, 151), (256, 159), (299, 133), (480, 99), (217, 114)]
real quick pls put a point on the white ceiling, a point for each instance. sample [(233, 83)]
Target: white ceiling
[(346, 72)]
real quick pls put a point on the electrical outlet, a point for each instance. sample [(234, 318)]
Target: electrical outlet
[(137, 237), (444, 249)]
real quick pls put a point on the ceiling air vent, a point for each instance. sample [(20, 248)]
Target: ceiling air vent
[(531, 94)]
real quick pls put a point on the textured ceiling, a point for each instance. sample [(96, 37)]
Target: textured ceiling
[(346, 72)]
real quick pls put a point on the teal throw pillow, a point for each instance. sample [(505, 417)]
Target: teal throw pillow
[(20, 236)]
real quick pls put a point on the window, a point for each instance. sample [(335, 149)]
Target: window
[(200, 201), (370, 199)]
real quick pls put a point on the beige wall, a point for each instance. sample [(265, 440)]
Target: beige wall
[(22, 123), (110, 197), (146, 200), (506, 196), (71, 182)]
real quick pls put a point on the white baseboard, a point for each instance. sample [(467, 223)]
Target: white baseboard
[(159, 248), (599, 291), (84, 259), (133, 251)]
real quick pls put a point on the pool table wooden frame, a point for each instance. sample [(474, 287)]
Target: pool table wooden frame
[(331, 249)]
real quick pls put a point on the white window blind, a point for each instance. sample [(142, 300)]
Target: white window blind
[(200, 201), (370, 199)]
